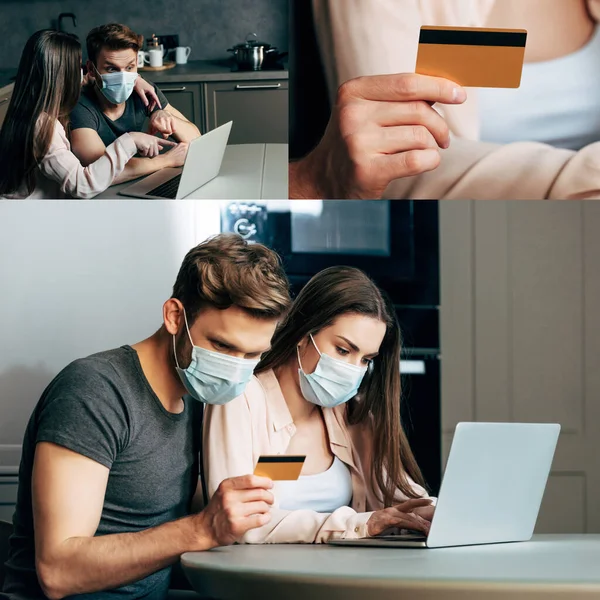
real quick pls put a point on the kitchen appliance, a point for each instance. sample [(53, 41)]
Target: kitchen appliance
[(253, 55), (396, 243)]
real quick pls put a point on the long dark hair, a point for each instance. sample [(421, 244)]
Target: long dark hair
[(47, 88), (345, 290)]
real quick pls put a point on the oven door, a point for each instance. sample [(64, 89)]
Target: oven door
[(395, 242), (421, 413)]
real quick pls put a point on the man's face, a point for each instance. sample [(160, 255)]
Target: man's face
[(232, 331), (113, 61)]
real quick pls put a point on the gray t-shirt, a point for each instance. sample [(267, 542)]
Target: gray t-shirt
[(88, 115), (103, 407)]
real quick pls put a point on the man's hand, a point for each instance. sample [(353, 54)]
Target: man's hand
[(382, 128), (147, 93), (238, 505), (163, 122), (176, 157), (402, 516)]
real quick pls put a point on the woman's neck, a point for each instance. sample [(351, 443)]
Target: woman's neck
[(300, 408)]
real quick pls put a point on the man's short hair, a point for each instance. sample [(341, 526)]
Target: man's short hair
[(227, 271), (112, 37)]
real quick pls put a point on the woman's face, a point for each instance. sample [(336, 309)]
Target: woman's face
[(351, 338)]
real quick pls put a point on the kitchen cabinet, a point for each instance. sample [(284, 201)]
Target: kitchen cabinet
[(210, 94), (187, 98), (258, 109), (520, 335), (8, 497), (4, 102)]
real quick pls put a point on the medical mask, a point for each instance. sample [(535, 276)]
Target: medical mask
[(117, 87), (333, 381), (212, 377)]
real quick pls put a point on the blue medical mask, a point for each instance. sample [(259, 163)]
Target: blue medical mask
[(212, 377), (117, 87), (333, 381)]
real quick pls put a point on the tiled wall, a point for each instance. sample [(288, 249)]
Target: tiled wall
[(208, 26)]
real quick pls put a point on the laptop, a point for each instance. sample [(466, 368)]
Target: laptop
[(202, 164), (491, 491)]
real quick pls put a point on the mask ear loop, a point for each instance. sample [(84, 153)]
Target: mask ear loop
[(312, 339), (189, 336)]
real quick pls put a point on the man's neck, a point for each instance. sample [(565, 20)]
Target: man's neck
[(112, 111), (156, 358)]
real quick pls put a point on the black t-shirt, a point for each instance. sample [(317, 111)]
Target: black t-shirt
[(88, 115), (104, 408)]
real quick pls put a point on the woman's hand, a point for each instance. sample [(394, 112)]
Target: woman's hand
[(148, 145), (147, 93), (402, 516)]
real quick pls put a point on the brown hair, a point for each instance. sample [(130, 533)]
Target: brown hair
[(345, 290), (46, 89), (227, 271), (113, 37)]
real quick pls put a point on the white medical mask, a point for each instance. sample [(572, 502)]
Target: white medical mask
[(117, 87), (212, 377), (333, 381)]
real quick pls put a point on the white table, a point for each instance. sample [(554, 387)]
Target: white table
[(547, 568), (248, 172)]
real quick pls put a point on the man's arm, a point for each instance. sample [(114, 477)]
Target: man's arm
[(89, 147), (68, 495), (170, 122)]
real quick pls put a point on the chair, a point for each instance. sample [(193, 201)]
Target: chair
[(6, 530)]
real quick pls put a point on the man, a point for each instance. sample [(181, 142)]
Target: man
[(107, 108), (108, 484)]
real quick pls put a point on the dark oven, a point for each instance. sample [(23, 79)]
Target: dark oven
[(396, 244)]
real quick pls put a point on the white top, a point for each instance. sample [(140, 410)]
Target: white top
[(558, 102), (324, 492)]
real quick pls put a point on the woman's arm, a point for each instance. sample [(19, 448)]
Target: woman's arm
[(62, 166)]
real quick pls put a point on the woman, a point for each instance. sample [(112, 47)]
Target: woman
[(35, 154), (328, 389), (556, 104)]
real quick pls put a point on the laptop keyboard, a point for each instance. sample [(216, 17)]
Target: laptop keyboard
[(168, 189)]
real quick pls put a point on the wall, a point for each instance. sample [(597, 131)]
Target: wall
[(105, 288), (520, 334), (210, 27)]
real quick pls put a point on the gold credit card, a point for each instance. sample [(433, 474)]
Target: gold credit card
[(280, 468), (473, 57)]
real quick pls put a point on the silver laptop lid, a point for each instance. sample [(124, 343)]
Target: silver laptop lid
[(493, 483), (204, 158)]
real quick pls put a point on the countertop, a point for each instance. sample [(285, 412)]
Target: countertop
[(202, 71), (550, 566), (6, 78), (194, 71)]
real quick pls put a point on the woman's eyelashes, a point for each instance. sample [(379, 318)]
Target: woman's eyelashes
[(345, 352)]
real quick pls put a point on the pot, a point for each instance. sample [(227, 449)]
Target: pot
[(252, 54)]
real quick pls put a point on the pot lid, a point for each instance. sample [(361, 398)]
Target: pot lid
[(252, 43)]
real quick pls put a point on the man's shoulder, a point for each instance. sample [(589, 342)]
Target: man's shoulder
[(104, 369), (86, 112)]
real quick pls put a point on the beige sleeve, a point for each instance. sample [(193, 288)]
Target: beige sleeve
[(62, 166), (229, 450), (366, 37), (518, 171)]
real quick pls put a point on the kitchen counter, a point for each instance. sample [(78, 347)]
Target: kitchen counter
[(6, 79), (201, 71)]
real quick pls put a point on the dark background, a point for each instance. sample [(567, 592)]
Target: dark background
[(209, 27)]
